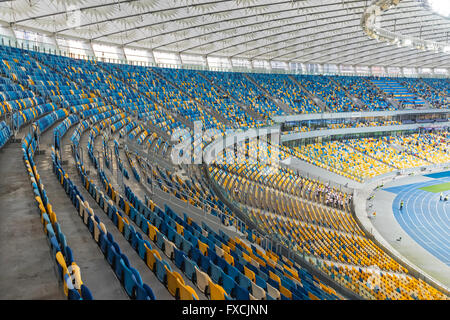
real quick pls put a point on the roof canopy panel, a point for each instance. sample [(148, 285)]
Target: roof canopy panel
[(308, 31)]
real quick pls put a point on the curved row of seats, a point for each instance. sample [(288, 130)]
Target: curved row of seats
[(136, 130), (96, 115), (128, 275), (27, 115), (156, 144), (87, 110), (127, 128), (152, 238), (47, 121), (11, 91), (5, 133), (327, 242), (68, 270), (8, 106)]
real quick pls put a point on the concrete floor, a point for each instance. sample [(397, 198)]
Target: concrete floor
[(27, 268)]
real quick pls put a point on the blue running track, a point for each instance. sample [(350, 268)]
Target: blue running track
[(424, 217)]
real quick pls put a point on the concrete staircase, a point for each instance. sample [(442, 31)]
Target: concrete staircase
[(427, 104), (401, 94)]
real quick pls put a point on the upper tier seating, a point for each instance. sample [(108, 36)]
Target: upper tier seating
[(136, 106), (361, 89), (329, 92), (242, 89), (398, 92), (283, 88)]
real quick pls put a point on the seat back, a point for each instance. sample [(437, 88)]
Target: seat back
[(174, 280), (216, 291), (187, 293), (202, 279)]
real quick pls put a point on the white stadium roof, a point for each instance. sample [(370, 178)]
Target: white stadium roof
[(304, 31)]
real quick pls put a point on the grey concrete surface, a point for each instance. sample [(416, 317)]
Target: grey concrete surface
[(27, 268)]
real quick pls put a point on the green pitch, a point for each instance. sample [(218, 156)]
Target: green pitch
[(437, 188)]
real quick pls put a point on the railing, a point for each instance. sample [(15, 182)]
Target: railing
[(345, 133)]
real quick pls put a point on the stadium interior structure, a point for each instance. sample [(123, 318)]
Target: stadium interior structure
[(320, 113)]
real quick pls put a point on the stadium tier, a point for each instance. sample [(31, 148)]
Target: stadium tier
[(97, 145)]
